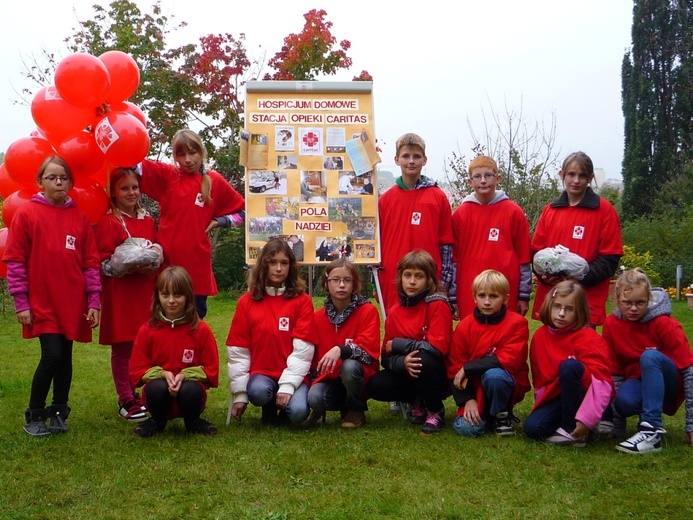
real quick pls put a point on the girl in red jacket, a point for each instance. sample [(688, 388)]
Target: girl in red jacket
[(193, 201), (652, 361), (127, 291), (570, 370), (271, 341), (346, 355), (418, 329), (175, 358), (53, 275), (487, 363)]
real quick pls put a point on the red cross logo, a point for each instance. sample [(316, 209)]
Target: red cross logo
[(310, 139), (415, 218), (578, 232), (283, 323), (493, 234)]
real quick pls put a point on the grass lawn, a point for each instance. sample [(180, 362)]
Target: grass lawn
[(99, 469)]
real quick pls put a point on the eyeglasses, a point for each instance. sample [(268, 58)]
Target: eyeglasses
[(340, 281), (55, 178), (568, 309), (485, 176), (626, 304)]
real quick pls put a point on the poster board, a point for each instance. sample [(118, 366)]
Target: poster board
[(309, 154)]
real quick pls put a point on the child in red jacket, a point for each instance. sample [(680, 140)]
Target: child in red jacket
[(487, 363), (652, 361), (175, 358)]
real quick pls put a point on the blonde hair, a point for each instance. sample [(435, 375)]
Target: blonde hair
[(629, 280), (567, 288), (186, 140), (482, 161), (410, 140), (492, 281), (422, 260)]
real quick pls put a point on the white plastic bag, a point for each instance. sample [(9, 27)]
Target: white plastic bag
[(559, 261), (133, 252)]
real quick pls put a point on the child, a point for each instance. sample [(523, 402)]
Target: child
[(53, 275), (193, 201), (491, 232), (413, 214), (588, 226), (651, 352), (487, 363), (175, 358), (346, 355), (418, 330), (271, 340), (570, 370), (126, 301)]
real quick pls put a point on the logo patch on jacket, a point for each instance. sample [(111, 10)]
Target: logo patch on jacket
[(188, 355), (284, 323), (70, 242), (416, 218), (199, 200), (493, 234), (578, 232)]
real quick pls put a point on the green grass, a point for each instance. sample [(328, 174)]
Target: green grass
[(383, 470)]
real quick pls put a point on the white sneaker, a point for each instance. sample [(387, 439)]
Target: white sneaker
[(563, 438), (648, 439)]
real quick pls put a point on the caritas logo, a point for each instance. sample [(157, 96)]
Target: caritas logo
[(105, 135)]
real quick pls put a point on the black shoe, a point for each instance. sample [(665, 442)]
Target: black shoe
[(58, 416), (36, 423), (503, 425), (148, 428), (269, 415)]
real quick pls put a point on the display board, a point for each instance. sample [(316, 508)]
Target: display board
[(309, 155)]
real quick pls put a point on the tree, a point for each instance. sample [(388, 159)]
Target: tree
[(657, 99), (525, 155)]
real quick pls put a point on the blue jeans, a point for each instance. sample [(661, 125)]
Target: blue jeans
[(559, 412), (646, 396), (345, 393), (262, 391), (498, 387), (201, 305)]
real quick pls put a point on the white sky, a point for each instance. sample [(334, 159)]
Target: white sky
[(435, 64)]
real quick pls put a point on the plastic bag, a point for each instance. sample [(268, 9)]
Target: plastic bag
[(559, 261), (133, 252)]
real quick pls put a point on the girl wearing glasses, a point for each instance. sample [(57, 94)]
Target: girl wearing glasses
[(587, 225), (53, 275), (652, 362), (271, 341), (570, 370), (346, 355)]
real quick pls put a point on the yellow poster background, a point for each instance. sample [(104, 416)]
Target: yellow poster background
[(311, 178)]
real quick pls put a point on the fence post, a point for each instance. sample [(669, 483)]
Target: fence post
[(679, 277)]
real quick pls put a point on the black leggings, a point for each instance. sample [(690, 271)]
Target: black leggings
[(429, 387), (190, 400), (55, 366)]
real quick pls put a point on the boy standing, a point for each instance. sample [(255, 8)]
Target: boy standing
[(491, 232), (487, 361), (414, 214)]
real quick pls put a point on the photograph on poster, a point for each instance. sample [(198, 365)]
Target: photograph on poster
[(365, 250), (313, 186), (343, 207), (363, 184), (361, 228), (287, 162), (346, 186), (284, 139), (285, 207), (328, 248), (296, 244), (333, 163), (263, 228), (270, 182), (258, 139)]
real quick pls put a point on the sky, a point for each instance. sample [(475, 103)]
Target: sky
[(438, 67)]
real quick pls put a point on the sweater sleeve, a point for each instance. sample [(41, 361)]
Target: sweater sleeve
[(239, 372), (595, 402), (297, 366), (687, 376)]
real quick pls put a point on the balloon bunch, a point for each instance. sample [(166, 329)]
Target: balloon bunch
[(85, 119)]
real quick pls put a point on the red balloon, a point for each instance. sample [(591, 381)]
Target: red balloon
[(124, 74), (131, 109), (82, 154), (123, 138), (7, 185), (3, 243), (82, 80), (92, 199), (24, 157), (56, 117), (14, 201)]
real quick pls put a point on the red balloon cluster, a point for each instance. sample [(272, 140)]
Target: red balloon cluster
[(85, 119)]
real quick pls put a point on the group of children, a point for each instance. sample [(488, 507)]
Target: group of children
[(286, 358)]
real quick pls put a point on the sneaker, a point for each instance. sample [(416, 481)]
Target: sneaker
[(605, 427), (418, 413), (202, 426), (648, 439), (353, 419), (133, 411), (435, 422), (35, 423), (563, 438), (148, 428), (503, 425), (395, 406), (58, 415)]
